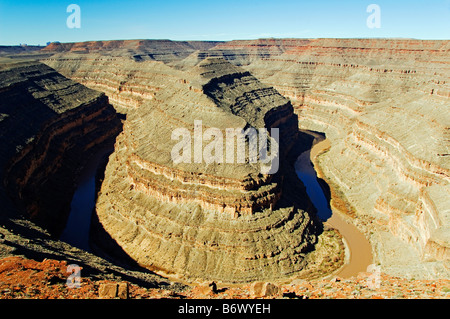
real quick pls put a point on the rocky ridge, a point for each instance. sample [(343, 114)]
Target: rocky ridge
[(358, 81), (384, 106), (138, 50), (50, 152), (49, 128), (223, 221)]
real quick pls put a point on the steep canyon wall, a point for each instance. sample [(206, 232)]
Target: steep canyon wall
[(50, 125), (222, 221), (383, 104)]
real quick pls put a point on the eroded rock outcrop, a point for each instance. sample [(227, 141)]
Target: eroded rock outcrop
[(49, 126), (221, 221), (383, 104), (128, 85)]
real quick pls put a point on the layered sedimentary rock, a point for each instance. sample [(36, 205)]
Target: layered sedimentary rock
[(383, 104), (138, 50), (128, 85), (49, 126), (225, 221)]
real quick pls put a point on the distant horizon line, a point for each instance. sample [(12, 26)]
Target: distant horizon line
[(223, 41)]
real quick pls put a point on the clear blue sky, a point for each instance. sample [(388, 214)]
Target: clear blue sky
[(39, 22)]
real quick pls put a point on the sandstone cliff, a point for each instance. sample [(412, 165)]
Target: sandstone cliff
[(138, 50), (49, 126), (383, 104), (222, 221)]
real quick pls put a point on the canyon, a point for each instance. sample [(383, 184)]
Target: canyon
[(224, 222), (50, 128), (42, 113), (383, 105)]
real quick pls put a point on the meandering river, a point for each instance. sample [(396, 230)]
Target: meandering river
[(78, 224), (358, 247)]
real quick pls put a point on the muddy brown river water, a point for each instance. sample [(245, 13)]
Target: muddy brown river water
[(359, 249)]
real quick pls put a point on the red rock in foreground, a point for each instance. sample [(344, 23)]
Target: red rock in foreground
[(30, 279)]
